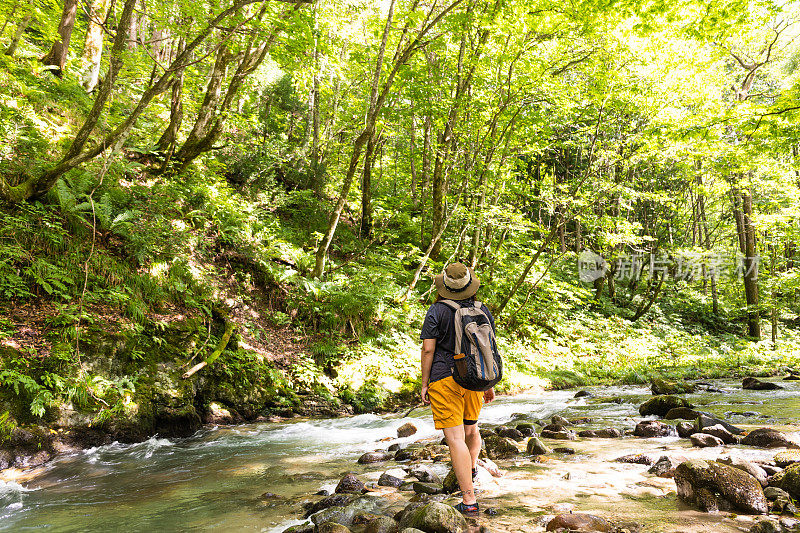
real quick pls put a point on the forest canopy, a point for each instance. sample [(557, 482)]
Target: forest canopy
[(627, 163)]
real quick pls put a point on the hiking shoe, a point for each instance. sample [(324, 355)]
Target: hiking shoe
[(463, 508)]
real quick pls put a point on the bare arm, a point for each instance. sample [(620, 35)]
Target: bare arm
[(426, 356)]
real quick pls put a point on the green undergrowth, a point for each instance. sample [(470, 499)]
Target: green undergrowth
[(133, 266)]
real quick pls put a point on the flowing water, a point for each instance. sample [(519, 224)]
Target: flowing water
[(215, 480)]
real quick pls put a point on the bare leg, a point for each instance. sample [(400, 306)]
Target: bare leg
[(461, 459), (472, 438)]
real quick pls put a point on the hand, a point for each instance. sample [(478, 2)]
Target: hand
[(488, 395), (424, 394)]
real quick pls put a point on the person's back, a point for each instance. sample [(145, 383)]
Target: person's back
[(455, 409)]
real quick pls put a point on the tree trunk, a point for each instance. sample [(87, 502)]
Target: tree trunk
[(93, 45), (751, 268), (365, 231), (166, 143), (377, 100), (57, 56), (21, 27)]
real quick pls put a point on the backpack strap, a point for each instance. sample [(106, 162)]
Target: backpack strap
[(450, 303), (456, 307)]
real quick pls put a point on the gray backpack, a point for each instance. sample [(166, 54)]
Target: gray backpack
[(477, 363)]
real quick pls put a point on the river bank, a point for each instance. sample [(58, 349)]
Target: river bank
[(222, 475)]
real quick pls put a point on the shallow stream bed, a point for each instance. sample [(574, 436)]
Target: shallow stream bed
[(215, 479)]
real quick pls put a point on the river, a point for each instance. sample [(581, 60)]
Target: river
[(215, 479)]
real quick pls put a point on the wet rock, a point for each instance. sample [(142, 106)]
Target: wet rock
[(426, 488), (345, 515), (553, 427), (336, 500), (332, 527), (219, 414), (771, 470), (705, 420), (388, 480), (6, 459), (395, 447), (682, 413), (792, 377), (350, 484), (424, 473), (578, 522), (580, 420), (780, 501), (766, 526), (721, 433), (406, 430), (751, 383), (661, 405), (636, 458), (790, 525), (607, 433), (374, 457), (450, 483), (498, 447), (418, 452), (35, 459), (434, 517), (301, 528), (661, 387), (512, 433), (685, 429), (560, 421), (526, 429), (583, 394), (790, 481), (563, 434), (787, 457), (751, 468), (664, 467), (177, 422), (536, 447), (411, 530), (654, 428), (564, 450), (704, 440), (382, 524), (712, 486), (767, 438)]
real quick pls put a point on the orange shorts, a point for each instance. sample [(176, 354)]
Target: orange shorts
[(452, 404)]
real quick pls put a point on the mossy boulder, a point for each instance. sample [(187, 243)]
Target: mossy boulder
[(434, 517), (498, 447), (661, 405), (660, 387), (790, 482), (787, 457), (713, 486)]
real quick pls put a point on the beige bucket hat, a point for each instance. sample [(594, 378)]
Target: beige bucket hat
[(457, 282)]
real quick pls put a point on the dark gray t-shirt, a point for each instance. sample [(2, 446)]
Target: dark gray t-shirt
[(439, 324)]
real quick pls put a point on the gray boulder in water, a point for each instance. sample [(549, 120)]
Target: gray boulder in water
[(661, 405), (578, 522), (685, 429), (350, 484), (756, 384), (713, 486), (344, 515), (654, 428), (721, 433), (704, 440), (705, 421), (767, 438), (434, 517)]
